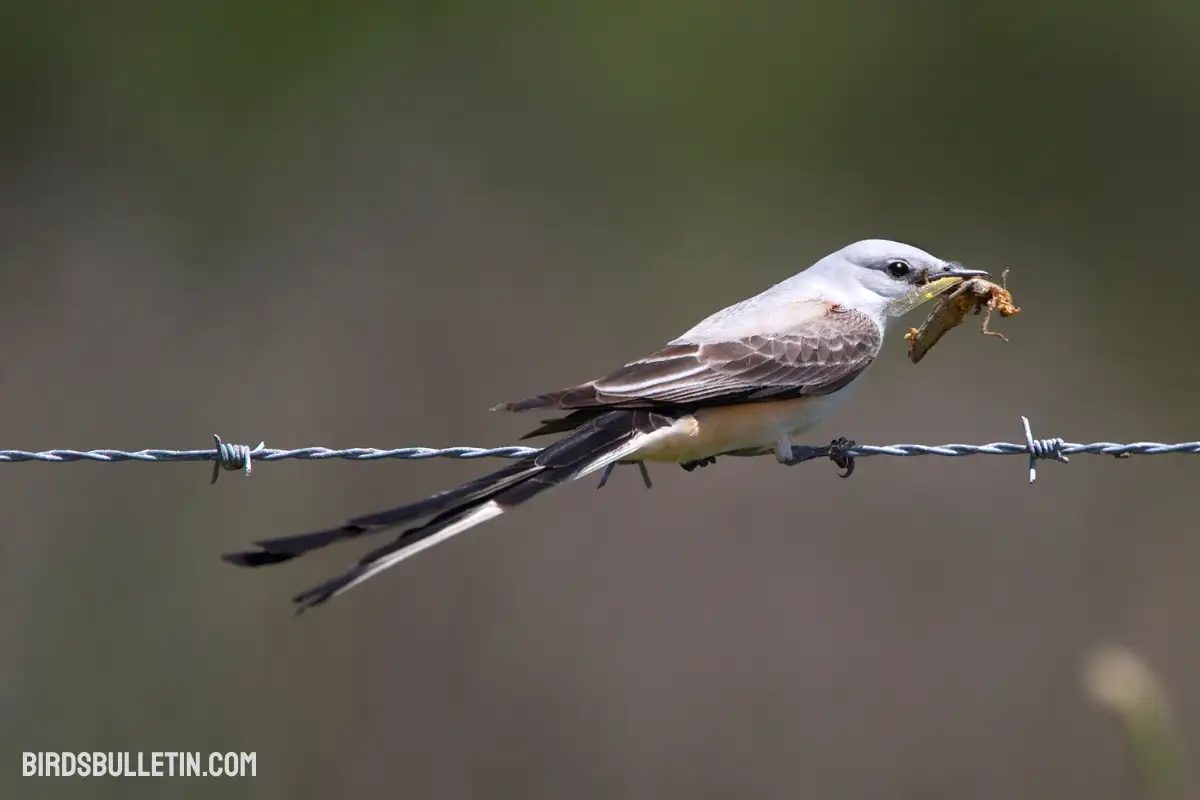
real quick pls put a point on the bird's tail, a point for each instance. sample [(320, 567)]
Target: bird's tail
[(591, 447)]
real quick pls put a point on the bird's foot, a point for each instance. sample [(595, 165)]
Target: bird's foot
[(604, 476), (838, 451), (688, 466)]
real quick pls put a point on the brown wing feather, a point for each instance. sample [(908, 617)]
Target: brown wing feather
[(819, 358)]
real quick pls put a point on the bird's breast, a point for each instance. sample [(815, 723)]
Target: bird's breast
[(721, 429)]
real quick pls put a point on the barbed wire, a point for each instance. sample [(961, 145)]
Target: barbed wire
[(228, 456)]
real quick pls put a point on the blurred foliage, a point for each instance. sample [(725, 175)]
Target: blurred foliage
[(1017, 96), (1122, 683)]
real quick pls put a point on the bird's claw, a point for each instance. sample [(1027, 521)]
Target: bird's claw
[(838, 451), (688, 466), (604, 476)]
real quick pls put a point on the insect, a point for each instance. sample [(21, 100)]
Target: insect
[(970, 297), (921, 295)]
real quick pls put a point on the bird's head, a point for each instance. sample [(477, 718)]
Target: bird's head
[(891, 271)]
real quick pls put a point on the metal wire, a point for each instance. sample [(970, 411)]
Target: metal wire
[(227, 456)]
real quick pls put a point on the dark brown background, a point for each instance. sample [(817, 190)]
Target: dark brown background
[(321, 224)]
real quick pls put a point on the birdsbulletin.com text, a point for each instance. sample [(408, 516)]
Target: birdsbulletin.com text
[(141, 764)]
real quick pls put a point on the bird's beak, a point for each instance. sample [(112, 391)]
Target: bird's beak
[(956, 271)]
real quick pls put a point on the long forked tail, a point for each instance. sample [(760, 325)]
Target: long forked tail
[(593, 446)]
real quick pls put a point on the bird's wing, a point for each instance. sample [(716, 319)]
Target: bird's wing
[(818, 356)]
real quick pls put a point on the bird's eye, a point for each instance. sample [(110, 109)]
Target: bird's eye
[(898, 269)]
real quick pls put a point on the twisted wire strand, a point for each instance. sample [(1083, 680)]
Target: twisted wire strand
[(228, 456)]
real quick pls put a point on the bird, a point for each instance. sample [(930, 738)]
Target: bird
[(742, 382)]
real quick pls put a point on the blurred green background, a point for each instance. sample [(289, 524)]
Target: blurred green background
[(346, 224)]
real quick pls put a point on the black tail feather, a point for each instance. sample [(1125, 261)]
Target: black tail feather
[(285, 548), (591, 445), (596, 442), (565, 424), (405, 545)]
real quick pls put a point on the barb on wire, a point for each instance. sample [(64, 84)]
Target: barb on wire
[(233, 456), (228, 456)]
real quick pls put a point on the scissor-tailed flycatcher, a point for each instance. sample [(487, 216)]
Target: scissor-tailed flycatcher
[(742, 382)]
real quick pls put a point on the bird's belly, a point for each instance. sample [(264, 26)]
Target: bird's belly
[(713, 431)]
